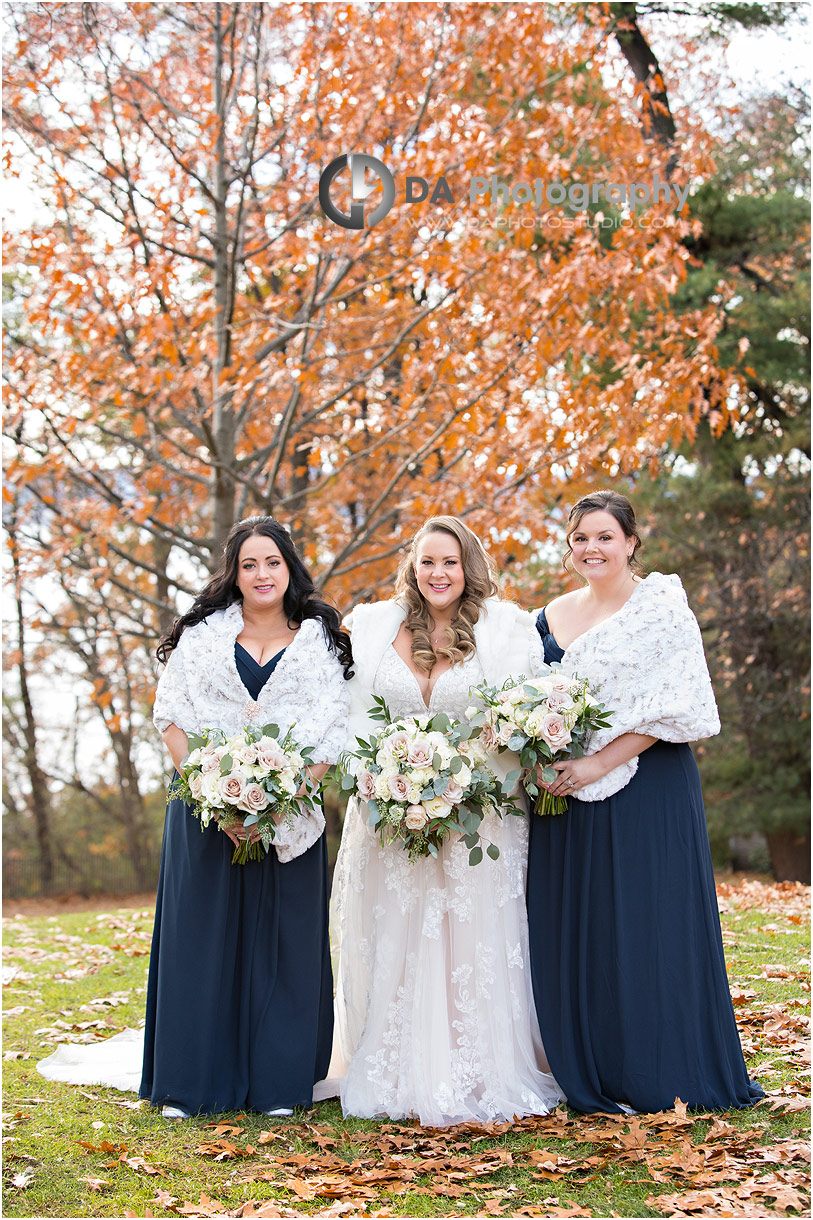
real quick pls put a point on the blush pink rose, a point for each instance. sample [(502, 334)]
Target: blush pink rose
[(505, 734), (255, 798), (398, 743), (399, 787), (488, 737), (559, 701), (270, 755), (415, 818), (231, 788), (420, 754), (365, 782), (554, 731), (210, 760), (454, 793)]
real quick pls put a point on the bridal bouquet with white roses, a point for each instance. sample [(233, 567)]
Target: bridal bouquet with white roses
[(252, 777), (544, 720), (425, 779)]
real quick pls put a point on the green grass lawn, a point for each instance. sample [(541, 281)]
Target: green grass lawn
[(71, 1151)]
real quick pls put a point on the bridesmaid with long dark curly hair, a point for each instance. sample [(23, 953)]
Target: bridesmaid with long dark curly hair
[(239, 1001)]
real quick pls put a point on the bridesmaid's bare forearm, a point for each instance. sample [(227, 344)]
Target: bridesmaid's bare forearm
[(625, 747), (176, 743)]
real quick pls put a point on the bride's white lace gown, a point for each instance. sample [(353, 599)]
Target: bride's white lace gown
[(434, 1010)]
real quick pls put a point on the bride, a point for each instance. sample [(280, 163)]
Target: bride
[(434, 1009)]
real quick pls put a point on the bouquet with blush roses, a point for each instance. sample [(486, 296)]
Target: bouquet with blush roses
[(545, 719), (255, 778), (425, 779)]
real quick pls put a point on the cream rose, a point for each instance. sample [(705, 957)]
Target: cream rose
[(463, 777), (382, 785), (438, 807), (533, 725), (211, 787)]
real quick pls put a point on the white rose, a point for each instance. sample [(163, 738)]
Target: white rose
[(463, 777), (194, 758), (289, 781), (210, 787), (195, 782)]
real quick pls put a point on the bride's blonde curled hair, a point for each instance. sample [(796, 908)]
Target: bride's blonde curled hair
[(479, 573)]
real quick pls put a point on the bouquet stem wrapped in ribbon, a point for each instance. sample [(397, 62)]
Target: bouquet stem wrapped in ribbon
[(254, 778), (544, 720), (425, 779)]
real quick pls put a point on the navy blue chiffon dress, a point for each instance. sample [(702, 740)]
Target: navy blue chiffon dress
[(240, 991), (627, 960)]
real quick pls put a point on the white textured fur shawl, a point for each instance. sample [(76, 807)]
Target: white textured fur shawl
[(646, 663), (505, 636), (200, 688)]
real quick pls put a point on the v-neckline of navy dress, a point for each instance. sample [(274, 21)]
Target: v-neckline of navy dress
[(253, 675)]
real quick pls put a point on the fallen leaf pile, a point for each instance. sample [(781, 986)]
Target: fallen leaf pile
[(729, 1171), (680, 1164)]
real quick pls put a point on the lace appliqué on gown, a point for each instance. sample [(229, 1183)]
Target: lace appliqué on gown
[(434, 1011)]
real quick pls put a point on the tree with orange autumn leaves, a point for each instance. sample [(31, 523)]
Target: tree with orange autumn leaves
[(193, 341)]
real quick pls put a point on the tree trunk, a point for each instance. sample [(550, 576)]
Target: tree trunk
[(790, 854), (40, 793), (132, 811), (656, 116)]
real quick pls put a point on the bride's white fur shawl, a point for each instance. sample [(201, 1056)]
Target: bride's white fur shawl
[(646, 663), (506, 639)]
